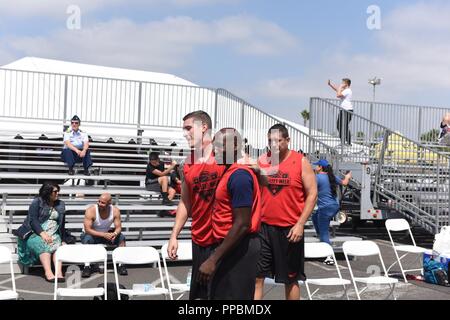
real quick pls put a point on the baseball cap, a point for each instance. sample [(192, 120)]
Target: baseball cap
[(322, 162)]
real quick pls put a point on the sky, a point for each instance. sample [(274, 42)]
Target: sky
[(274, 54)]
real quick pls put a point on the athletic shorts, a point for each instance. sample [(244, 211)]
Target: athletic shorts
[(279, 258), (235, 275), (199, 255)]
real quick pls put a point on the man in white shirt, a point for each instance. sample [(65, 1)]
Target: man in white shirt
[(344, 93), (76, 147), (103, 225)]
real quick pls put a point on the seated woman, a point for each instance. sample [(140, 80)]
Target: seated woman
[(43, 231)]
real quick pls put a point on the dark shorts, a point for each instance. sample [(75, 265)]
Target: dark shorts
[(235, 276), (199, 255), (279, 258), (153, 185), (88, 239)]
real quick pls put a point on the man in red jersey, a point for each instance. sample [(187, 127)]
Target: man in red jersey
[(236, 219), (200, 176), (287, 203)]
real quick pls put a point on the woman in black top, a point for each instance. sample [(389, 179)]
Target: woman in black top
[(43, 230)]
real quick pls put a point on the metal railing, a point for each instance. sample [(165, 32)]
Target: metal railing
[(49, 96), (411, 121), (413, 177)]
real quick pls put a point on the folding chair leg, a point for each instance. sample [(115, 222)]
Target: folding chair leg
[(400, 265), (345, 293), (308, 290), (392, 292), (356, 290)]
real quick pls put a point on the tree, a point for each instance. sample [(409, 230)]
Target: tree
[(305, 116), (430, 136)]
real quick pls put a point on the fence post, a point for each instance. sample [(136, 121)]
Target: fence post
[(419, 126), (139, 130), (216, 108), (448, 201), (66, 85), (242, 120), (310, 126)]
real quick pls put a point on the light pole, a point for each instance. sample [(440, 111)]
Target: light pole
[(374, 82)]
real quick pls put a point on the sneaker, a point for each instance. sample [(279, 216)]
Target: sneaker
[(71, 172), (86, 172), (329, 261), (123, 271), (86, 272)]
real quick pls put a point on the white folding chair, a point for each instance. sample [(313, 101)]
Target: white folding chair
[(6, 257), (137, 256), (323, 250), (184, 253), (365, 249), (81, 254), (403, 225)]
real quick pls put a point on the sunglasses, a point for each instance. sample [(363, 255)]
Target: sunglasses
[(55, 191), (75, 122)]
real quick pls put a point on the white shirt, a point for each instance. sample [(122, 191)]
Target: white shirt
[(346, 101), (76, 138)]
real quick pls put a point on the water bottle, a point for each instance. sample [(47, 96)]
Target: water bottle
[(188, 278)]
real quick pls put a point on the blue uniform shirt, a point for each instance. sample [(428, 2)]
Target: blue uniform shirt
[(325, 197), (76, 138)]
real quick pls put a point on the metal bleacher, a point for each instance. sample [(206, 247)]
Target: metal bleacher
[(119, 169)]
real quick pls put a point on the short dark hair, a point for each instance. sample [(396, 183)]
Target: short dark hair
[(200, 116), (347, 81), (153, 156), (46, 190), (281, 128)]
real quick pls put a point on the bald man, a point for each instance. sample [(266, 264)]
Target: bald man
[(102, 225)]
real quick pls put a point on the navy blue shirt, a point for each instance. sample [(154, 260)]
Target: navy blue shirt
[(240, 188), (325, 197)]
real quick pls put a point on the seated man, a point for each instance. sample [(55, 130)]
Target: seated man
[(76, 147), (157, 179), (102, 225)]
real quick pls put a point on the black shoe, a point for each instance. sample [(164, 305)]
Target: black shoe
[(167, 202), (71, 172), (123, 271), (86, 172), (161, 213), (86, 272)]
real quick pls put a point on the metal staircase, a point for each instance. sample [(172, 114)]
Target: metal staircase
[(410, 177)]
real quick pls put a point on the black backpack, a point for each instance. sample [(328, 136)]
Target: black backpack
[(112, 292)]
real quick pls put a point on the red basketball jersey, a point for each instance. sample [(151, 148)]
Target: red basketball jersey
[(222, 218), (283, 199)]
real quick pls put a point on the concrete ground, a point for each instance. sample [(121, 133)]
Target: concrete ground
[(34, 287)]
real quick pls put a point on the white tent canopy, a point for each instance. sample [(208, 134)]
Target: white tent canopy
[(88, 70)]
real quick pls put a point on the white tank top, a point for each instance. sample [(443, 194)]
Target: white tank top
[(101, 225)]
